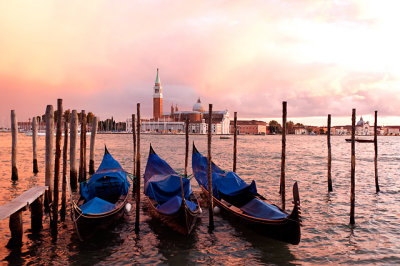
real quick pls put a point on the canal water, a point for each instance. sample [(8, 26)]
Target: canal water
[(327, 236)]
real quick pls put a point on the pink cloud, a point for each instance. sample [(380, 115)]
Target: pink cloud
[(102, 57)]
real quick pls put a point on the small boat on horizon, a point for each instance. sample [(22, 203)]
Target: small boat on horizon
[(225, 137), (169, 195), (242, 202), (361, 140), (103, 198)]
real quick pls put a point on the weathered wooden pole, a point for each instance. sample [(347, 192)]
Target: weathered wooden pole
[(283, 158), (73, 173), (37, 215), (64, 176), (49, 155), (14, 150), (134, 154), (82, 152), (234, 141), (34, 146), (209, 174), (329, 155), (353, 166), (187, 145), (92, 145), (138, 125), (376, 151), (57, 165), (16, 228)]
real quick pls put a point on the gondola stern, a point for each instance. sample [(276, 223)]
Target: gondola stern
[(106, 150), (151, 150), (195, 149), (295, 216)]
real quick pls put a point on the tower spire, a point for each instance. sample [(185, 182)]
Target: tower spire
[(157, 78)]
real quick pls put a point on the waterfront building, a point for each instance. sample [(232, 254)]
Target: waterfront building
[(391, 130), (252, 127), (363, 128), (300, 130)]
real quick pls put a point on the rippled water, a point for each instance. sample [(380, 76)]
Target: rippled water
[(327, 236)]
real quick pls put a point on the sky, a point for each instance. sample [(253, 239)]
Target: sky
[(322, 57)]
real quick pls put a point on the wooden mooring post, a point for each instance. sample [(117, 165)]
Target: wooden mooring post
[(49, 155), (209, 174), (376, 151), (54, 220), (14, 150), (32, 198), (82, 152), (64, 175), (134, 154), (353, 167), (329, 155), (283, 158), (73, 173), (34, 146), (234, 141), (187, 145), (92, 145), (138, 126)]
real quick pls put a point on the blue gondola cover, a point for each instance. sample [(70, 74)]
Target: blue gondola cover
[(260, 209), (97, 206), (228, 183), (163, 185), (173, 205), (108, 183)]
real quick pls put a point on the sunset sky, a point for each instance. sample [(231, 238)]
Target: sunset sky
[(246, 56)]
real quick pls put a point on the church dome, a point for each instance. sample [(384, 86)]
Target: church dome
[(198, 106), (361, 122)]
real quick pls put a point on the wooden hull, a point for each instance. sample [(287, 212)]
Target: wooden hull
[(182, 221), (89, 224), (287, 230), (362, 140)]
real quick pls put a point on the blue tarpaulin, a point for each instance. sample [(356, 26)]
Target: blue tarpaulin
[(263, 210), (162, 188), (173, 205), (228, 183), (108, 183), (163, 185), (96, 206)]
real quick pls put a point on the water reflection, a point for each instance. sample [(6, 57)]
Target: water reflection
[(326, 234), (175, 247)]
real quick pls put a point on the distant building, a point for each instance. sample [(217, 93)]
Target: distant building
[(252, 127), (341, 130), (300, 130), (391, 130), (363, 128)]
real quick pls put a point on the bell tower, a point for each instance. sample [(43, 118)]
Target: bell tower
[(157, 99)]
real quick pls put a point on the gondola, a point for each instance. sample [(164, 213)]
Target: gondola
[(169, 195), (361, 140), (242, 202), (102, 198)]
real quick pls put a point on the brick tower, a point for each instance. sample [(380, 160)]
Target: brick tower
[(157, 99)]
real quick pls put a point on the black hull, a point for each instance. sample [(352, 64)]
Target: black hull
[(287, 230), (182, 221), (88, 225), (362, 140)]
